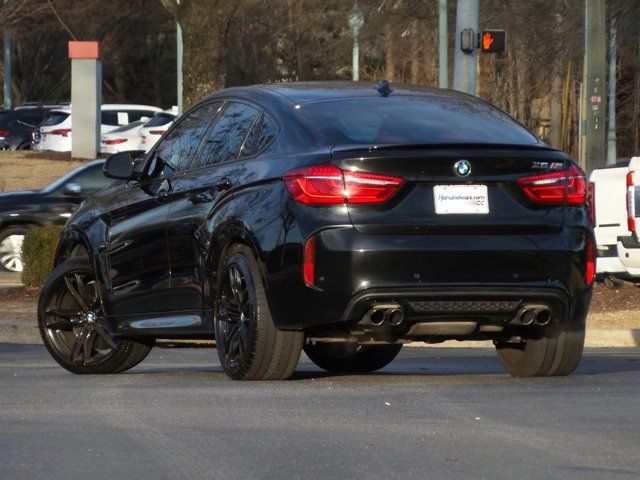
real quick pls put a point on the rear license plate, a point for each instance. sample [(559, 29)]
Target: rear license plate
[(461, 199)]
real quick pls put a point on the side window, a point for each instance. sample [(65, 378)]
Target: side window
[(261, 136), (225, 138), (176, 150), (109, 117), (90, 180)]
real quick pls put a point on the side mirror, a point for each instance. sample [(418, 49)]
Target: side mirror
[(72, 189), (119, 166)]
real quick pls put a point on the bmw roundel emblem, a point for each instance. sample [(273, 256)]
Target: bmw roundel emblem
[(462, 168)]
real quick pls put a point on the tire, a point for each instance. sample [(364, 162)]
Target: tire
[(11, 239), (24, 146), (249, 345), (73, 329), (349, 357), (557, 351)]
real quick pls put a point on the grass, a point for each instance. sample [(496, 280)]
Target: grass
[(33, 170)]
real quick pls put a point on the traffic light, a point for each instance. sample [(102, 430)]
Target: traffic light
[(493, 41)]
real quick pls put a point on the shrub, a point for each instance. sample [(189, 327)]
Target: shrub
[(37, 254)]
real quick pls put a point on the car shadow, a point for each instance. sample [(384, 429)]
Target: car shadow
[(478, 366)]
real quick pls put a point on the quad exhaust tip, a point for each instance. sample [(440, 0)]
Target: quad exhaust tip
[(534, 314)]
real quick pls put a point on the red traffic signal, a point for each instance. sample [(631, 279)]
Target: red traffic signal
[(493, 41)]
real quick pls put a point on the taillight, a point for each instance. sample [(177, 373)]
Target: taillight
[(5, 133), (157, 132), (309, 261), (328, 185), (115, 141), (592, 202), (631, 204), (62, 131), (556, 188), (590, 264)]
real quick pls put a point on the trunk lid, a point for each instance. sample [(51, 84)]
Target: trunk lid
[(426, 169)]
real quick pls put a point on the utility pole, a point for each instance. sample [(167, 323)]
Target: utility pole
[(355, 19), (595, 92), (179, 50), (443, 61), (612, 153), (8, 84), (465, 66)]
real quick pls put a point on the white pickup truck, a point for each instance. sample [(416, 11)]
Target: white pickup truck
[(618, 246)]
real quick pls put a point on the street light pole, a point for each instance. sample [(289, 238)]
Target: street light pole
[(8, 85), (179, 49), (355, 18), (611, 126)]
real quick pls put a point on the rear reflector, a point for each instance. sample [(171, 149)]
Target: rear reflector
[(62, 131), (328, 185), (592, 202), (556, 188), (157, 132), (590, 264), (631, 204), (309, 261), (115, 141)]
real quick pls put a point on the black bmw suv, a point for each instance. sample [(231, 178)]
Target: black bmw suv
[(338, 218)]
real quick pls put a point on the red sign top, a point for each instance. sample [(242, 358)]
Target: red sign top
[(89, 50)]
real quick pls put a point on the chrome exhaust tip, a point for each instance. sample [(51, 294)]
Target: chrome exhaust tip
[(527, 316), (377, 316), (395, 316), (543, 316)]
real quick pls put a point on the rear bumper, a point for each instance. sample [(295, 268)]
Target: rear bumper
[(629, 255), (480, 276)]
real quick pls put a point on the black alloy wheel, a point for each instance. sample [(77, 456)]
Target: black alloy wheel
[(73, 327), (236, 309), (249, 345)]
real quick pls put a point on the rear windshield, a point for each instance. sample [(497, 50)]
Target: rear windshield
[(128, 127), (54, 118), (413, 120), (159, 120)]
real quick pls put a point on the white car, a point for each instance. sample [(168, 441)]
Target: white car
[(608, 195), (123, 138), (56, 129), (155, 128), (628, 245)]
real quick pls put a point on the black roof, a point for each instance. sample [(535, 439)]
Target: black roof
[(303, 92)]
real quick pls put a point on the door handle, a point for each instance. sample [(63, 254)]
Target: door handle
[(224, 184)]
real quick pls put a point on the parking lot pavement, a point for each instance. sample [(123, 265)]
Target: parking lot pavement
[(433, 413)]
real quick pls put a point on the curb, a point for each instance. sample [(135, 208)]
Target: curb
[(599, 338)]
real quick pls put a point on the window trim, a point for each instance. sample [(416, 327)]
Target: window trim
[(176, 123), (227, 102)]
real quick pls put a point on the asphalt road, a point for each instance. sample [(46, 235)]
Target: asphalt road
[(433, 413)]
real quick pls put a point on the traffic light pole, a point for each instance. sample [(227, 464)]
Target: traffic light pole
[(465, 65), (595, 91)]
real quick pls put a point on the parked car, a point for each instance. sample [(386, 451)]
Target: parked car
[(124, 138), (608, 187), (56, 130), (53, 205), (17, 125), (628, 243), (331, 217), (156, 127)]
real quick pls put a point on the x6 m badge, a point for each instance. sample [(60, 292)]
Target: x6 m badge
[(462, 168)]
